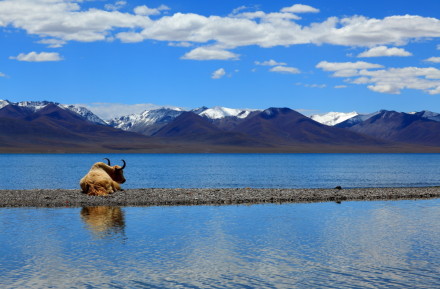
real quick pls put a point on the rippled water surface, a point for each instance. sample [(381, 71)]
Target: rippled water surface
[(393, 244), (50, 171), (324, 245)]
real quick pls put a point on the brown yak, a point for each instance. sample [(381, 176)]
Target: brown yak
[(103, 179)]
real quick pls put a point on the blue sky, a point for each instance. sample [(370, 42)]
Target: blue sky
[(312, 56)]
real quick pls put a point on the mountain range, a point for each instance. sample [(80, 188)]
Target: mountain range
[(45, 126)]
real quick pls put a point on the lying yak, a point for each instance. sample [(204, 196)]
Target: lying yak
[(103, 179)]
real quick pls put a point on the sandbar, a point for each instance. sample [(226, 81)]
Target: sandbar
[(210, 196)]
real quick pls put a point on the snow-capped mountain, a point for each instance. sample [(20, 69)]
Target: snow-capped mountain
[(428, 114), (219, 112), (84, 112), (148, 121), (342, 119), (356, 119), (333, 118), (34, 106)]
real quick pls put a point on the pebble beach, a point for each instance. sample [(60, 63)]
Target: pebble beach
[(218, 196)]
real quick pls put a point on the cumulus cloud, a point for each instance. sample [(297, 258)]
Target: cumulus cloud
[(337, 66), (37, 57), (285, 69), (116, 6), (145, 10), (300, 8), (270, 63), (210, 53), (180, 44), (433, 59), (389, 80), (384, 51), (312, 85), (61, 21), (219, 73)]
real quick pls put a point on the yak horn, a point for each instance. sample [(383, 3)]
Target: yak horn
[(123, 165), (108, 161)]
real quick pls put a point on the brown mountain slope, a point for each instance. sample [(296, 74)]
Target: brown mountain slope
[(55, 129), (285, 126), (401, 127), (190, 127)]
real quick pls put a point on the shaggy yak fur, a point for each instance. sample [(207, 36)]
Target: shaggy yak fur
[(103, 179)]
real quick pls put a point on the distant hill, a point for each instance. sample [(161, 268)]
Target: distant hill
[(400, 127), (285, 126), (52, 127), (190, 127)]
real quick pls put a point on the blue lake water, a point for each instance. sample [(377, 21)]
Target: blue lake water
[(322, 245), (52, 171), (380, 244)]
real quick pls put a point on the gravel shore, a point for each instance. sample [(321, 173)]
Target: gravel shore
[(224, 196)]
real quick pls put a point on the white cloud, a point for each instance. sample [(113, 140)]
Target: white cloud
[(340, 86), (389, 80), (300, 8), (316, 85), (53, 43), (64, 20), (38, 57), (336, 66), (219, 73), (2, 74), (180, 44), (270, 63), (145, 10), (433, 59), (116, 6), (384, 51), (210, 53), (266, 16), (346, 69), (285, 69)]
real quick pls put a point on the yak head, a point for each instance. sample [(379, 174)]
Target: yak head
[(118, 172)]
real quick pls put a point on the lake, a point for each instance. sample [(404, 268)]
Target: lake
[(50, 171), (383, 244), (377, 244)]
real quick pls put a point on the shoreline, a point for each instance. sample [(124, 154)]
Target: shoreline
[(51, 198)]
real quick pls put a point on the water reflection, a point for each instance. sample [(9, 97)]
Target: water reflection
[(104, 220), (324, 245)]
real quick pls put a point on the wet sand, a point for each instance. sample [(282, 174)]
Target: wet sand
[(224, 196)]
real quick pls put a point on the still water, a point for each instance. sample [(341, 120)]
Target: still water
[(392, 244), (51, 171), (322, 245)]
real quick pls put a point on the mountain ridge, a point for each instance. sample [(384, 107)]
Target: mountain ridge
[(50, 126)]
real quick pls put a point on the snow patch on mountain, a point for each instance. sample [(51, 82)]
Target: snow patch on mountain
[(357, 119), (218, 112), (428, 115), (84, 112), (333, 118), (35, 106), (146, 118), (3, 103)]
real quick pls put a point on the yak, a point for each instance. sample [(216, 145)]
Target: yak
[(103, 179)]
